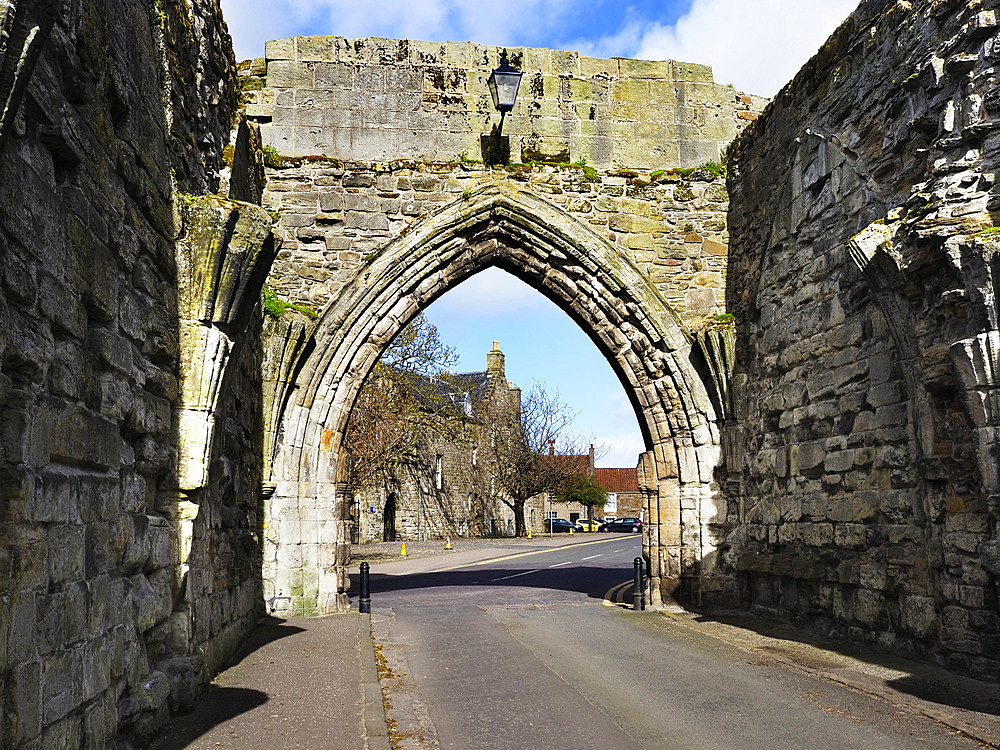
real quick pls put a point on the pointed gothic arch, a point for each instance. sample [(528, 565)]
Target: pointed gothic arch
[(614, 302)]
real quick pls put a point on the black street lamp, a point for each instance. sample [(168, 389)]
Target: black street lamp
[(503, 83)]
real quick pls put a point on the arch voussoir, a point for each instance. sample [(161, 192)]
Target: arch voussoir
[(614, 301)]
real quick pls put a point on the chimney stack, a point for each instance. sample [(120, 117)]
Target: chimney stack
[(495, 364)]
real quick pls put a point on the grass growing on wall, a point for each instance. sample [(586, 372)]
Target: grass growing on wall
[(276, 307)]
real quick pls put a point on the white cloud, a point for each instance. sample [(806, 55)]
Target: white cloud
[(429, 20), (622, 450), (756, 46)]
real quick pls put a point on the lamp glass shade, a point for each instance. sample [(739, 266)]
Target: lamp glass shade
[(504, 83)]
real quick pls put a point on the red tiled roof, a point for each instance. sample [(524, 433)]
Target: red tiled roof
[(569, 462), (617, 480)]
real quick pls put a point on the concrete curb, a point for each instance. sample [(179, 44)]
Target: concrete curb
[(376, 724)]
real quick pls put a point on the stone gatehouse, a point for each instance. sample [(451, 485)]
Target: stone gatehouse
[(169, 455), (385, 204)]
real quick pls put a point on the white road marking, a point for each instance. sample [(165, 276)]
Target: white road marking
[(516, 575), (591, 557), (559, 565)]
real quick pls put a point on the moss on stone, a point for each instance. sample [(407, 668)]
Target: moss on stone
[(721, 322), (276, 307)]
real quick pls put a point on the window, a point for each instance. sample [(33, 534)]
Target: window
[(475, 456), (439, 472)]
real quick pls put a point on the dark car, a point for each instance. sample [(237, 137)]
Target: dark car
[(622, 524), (561, 524)]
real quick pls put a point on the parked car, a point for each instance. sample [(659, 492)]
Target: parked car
[(561, 524), (590, 524), (622, 524)]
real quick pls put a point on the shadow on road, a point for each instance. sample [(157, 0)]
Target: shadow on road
[(595, 581), (923, 680)]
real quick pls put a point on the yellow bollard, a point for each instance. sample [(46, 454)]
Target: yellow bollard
[(448, 545), (529, 532), (402, 552)]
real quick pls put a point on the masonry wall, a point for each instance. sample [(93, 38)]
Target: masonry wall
[(864, 294), (385, 99), (335, 215), (455, 509), (101, 634)]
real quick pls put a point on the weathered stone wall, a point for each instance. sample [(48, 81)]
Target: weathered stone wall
[(101, 632), (335, 216), (865, 304), (385, 99)]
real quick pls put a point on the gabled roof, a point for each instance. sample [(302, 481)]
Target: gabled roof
[(617, 480), (463, 391)]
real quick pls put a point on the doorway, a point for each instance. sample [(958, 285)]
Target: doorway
[(389, 519)]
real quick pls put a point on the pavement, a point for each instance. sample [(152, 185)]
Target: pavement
[(314, 682)]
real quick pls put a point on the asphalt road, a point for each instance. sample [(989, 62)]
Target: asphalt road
[(524, 652)]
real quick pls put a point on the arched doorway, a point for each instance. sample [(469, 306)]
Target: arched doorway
[(610, 298), (389, 518)]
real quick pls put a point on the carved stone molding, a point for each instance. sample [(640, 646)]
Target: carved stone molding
[(222, 261)]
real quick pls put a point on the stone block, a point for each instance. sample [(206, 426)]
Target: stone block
[(694, 153), (805, 456), (314, 48), (537, 59), (50, 621), (62, 675), (373, 145), (663, 96), (630, 91), (280, 49), (56, 498), (113, 351), (565, 63), (682, 71), (701, 299), (592, 67), (428, 53), (66, 552), (287, 74), (100, 723), (459, 55), (24, 693)]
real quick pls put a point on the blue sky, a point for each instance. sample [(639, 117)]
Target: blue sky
[(755, 45)]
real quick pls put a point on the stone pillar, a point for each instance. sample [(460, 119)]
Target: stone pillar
[(662, 535)]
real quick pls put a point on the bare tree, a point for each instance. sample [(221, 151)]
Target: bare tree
[(526, 448), (384, 425)]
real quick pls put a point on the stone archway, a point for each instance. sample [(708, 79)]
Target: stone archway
[(615, 303)]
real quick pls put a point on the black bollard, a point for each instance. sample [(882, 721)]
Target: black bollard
[(365, 599), (638, 600)]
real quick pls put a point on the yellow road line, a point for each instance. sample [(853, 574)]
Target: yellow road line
[(611, 599), (522, 554)]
